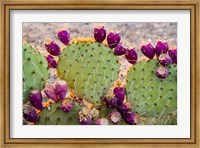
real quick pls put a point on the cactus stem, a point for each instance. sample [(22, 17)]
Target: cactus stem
[(159, 88), (61, 76), (148, 84), (164, 109), (153, 66), (167, 94), (143, 65), (34, 79), (106, 82), (103, 59), (98, 83), (147, 75), (85, 64), (60, 67), (87, 83), (75, 83), (144, 103), (141, 101), (139, 95), (97, 66), (67, 71), (82, 72), (132, 84), (95, 51), (112, 74), (147, 91), (74, 55), (94, 92), (79, 54), (147, 110), (138, 83), (113, 65), (25, 90)]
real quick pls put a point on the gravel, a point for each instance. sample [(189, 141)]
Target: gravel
[(133, 34)]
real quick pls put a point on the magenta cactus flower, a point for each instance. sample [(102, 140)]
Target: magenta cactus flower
[(99, 34), (162, 72), (120, 93), (53, 48), (148, 50), (51, 62), (131, 56), (35, 99), (111, 102), (124, 107), (161, 47), (119, 50), (64, 36), (66, 105), (102, 121), (51, 92), (61, 89), (115, 117), (85, 120), (165, 59), (113, 39), (131, 118), (173, 55), (30, 114)]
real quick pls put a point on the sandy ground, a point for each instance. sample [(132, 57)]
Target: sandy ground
[(133, 34)]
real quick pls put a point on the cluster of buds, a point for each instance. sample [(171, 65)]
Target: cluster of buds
[(164, 55), (84, 117), (113, 41), (53, 48)]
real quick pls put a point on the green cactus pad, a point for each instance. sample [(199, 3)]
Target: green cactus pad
[(164, 120), (90, 68), (149, 95), (104, 111), (53, 115), (35, 71)]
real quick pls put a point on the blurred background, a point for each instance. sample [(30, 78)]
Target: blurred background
[(132, 34)]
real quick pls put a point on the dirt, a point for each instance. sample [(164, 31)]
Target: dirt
[(133, 34)]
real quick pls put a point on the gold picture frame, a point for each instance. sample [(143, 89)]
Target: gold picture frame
[(7, 5)]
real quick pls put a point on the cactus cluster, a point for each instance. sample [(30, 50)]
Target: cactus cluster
[(88, 91)]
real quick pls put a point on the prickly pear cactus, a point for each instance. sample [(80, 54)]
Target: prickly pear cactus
[(88, 89), (90, 68), (53, 115), (35, 71), (149, 95)]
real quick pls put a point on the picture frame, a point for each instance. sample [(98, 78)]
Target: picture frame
[(192, 6)]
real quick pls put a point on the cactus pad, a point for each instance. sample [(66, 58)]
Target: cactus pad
[(149, 95), (53, 115), (164, 120), (35, 71), (90, 68)]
